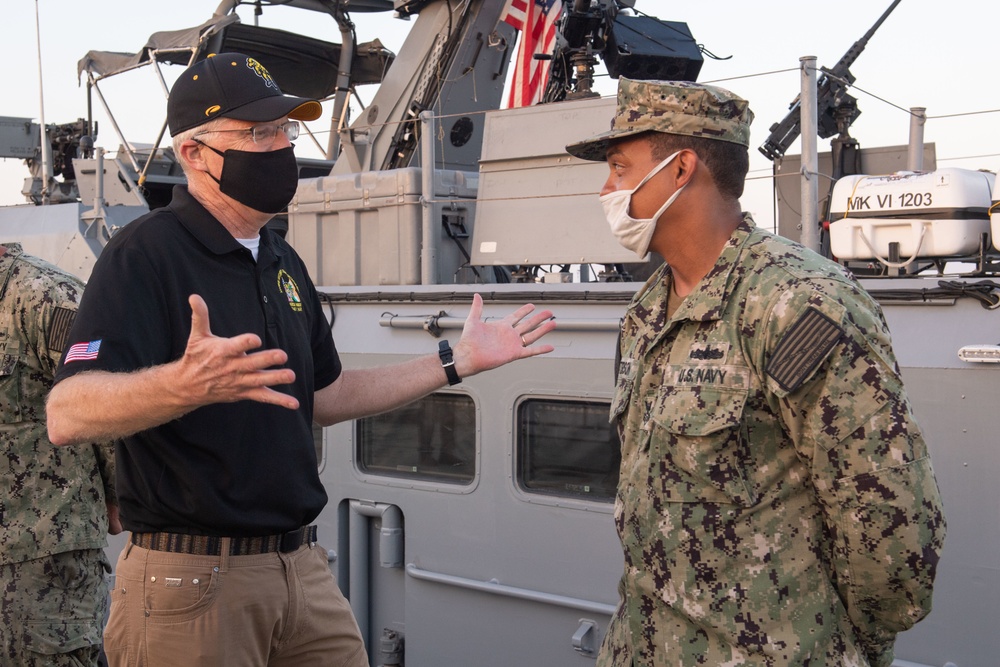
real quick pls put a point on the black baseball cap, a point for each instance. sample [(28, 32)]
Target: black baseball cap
[(231, 85)]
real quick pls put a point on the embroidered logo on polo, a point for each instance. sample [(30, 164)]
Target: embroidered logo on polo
[(802, 348), (287, 285)]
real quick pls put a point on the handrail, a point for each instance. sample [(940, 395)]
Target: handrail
[(444, 322), (495, 588)]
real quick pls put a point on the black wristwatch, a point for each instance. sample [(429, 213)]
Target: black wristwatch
[(448, 362)]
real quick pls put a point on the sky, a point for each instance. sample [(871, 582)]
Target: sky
[(927, 53)]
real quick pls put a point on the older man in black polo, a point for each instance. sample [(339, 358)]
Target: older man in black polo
[(218, 478)]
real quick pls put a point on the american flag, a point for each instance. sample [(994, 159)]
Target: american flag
[(536, 19), (83, 351)]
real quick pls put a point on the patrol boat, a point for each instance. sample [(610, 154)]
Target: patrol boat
[(474, 527)]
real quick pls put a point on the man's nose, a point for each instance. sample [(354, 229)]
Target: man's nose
[(608, 187)]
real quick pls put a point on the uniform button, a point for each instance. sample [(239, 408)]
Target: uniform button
[(265, 298)]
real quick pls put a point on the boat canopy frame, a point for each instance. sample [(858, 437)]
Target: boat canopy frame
[(304, 66)]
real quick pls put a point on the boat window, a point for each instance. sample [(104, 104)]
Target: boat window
[(433, 438), (567, 448)]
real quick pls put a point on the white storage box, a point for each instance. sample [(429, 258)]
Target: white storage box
[(940, 213)]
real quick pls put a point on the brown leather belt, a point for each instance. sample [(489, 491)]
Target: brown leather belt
[(205, 545)]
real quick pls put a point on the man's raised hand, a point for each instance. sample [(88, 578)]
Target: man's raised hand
[(224, 370), (486, 345)]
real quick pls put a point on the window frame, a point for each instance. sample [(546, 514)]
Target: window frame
[(604, 504), (413, 482)]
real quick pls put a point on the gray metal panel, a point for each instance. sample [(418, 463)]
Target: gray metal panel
[(56, 233), (491, 531), (929, 335), (497, 532), (19, 137), (530, 188), (117, 189), (954, 409)]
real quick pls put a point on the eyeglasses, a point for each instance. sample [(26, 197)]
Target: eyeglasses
[(265, 134)]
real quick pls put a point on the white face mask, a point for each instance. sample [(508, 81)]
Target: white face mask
[(635, 234)]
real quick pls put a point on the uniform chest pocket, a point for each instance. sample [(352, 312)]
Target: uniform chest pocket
[(10, 389), (699, 450)]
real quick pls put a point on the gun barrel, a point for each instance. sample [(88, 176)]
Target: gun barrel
[(882, 18)]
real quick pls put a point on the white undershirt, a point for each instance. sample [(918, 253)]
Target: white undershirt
[(253, 245)]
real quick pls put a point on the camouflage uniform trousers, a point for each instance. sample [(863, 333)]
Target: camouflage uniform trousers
[(52, 610)]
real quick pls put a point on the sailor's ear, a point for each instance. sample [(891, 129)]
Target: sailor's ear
[(686, 161)]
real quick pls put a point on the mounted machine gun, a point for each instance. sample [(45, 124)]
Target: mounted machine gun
[(837, 109)]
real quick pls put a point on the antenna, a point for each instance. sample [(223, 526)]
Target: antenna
[(44, 141)]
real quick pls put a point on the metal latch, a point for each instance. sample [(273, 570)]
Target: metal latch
[(583, 638)]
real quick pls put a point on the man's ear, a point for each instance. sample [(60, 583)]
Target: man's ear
[(686, 161), (192, 155)]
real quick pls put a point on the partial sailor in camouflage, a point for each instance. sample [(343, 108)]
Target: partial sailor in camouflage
[(53, 512), (776, 504)]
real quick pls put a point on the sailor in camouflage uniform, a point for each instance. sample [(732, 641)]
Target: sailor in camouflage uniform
[(53, 511), (776, 503)]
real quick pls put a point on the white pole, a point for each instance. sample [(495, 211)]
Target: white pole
[(430, 227), (915, 155), (45, 145), (809, 121)]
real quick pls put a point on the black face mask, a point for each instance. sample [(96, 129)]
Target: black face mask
[(265, 182)]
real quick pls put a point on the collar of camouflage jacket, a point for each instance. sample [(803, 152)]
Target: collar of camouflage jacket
[(708, 299)]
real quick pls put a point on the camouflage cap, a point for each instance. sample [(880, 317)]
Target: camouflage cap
[(673, 107)]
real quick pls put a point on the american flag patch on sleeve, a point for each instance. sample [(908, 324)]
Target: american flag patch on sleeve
[(802, 348), (83, 351)]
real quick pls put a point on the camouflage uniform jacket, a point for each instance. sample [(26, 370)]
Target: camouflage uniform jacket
[(776, 503), (54, 497)]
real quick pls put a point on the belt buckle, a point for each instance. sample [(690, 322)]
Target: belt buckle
[(291, 540)]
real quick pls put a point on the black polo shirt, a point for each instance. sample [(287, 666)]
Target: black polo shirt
[(236, 469)]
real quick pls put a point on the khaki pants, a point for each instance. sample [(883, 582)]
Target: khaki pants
[(275, 610)]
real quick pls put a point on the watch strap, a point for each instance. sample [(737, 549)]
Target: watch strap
[(448, 362)]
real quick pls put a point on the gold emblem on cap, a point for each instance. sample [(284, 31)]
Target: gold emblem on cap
[(212, 109)]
